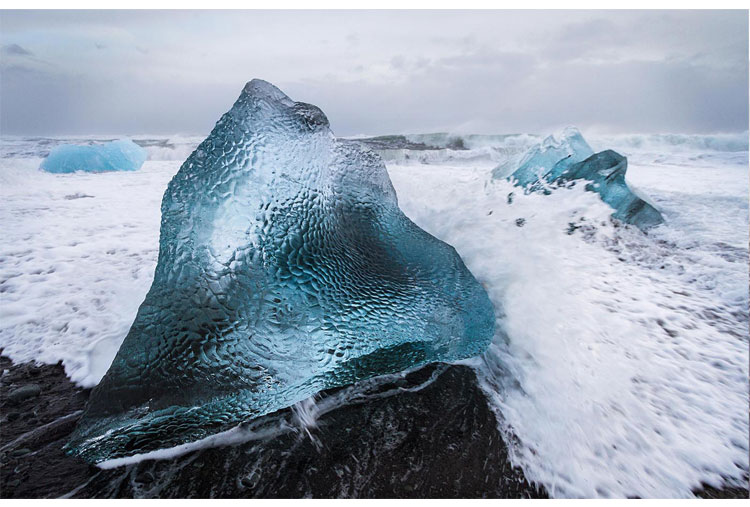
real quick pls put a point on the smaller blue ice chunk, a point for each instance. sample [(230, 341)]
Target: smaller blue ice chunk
[(120, 155), (606, 173), (548, 160), (567, 157)]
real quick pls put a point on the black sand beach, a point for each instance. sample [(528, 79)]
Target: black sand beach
[(439, 441)]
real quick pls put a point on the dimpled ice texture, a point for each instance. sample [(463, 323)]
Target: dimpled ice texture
[(285, 267), (121, 155)]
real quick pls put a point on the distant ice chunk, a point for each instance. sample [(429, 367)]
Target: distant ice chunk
[(567, 157), (285, 267), (120, 155)]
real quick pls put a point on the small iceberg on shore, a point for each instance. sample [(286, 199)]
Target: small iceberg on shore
[(120, 155), (562, 159), (548, 159), (285, 268), (606, 173)]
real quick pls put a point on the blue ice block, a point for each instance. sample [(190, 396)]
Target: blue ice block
[(121, 155), (285, 267), (605, 174), (561, 159), (547, 160)]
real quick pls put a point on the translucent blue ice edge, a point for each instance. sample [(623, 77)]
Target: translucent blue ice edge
[(561, 159), (285, 267), (120, 155)]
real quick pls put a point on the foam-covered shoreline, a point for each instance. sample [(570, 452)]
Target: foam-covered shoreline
[(446, 145), (80, 256), (36, 467)]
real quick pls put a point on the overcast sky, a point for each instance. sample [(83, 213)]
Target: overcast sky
[(377, 72)]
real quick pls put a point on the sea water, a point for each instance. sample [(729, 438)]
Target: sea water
[(621, 364)]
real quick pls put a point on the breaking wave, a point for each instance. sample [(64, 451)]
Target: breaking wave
[(735, 142)]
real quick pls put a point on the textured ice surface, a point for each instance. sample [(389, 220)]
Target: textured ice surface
[(285, 267), (121, 155), (557, 161)]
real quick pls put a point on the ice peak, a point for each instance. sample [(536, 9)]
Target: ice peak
[(569, 131), (259, 89), (566, 136)]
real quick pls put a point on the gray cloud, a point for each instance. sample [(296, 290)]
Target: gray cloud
[(379, 72), (16, 50)]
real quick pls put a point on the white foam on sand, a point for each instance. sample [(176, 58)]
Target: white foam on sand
[(625, 367), (76, 260)]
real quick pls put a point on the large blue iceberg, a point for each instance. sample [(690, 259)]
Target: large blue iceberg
[(285, 267), (565, 158), (121, 155)]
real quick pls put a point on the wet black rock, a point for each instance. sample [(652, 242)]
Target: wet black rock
[(23, 393), (34, 429), (437, 441), (430, 434), (395, 142)]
